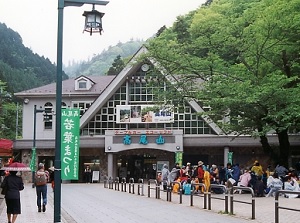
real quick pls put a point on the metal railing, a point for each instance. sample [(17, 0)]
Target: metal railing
[(225, 198), (204, 195), (170, 188), (141, 187), (228, 198), (131, 185), (232, 200), (277, 207), (123, 184), (156, 188), (117, 183)]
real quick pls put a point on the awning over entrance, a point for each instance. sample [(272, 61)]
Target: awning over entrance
[(6, 147)]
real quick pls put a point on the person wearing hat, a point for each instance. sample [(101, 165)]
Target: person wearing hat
[(200, 171), (188, 169)]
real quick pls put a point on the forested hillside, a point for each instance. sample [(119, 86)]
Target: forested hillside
[(100, 64), (20, 68)]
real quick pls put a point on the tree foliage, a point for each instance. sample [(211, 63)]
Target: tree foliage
[(19, 63), (117, 66), (241, 58)]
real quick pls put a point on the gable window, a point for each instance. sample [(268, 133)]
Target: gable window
[(82, 85)]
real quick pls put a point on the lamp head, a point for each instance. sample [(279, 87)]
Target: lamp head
[(93, 21)]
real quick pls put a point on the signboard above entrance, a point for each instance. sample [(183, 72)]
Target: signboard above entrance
[(145, 114), (142, 131)]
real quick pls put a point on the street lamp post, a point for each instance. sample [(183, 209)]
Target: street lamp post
[(35, 111), (57, 162)]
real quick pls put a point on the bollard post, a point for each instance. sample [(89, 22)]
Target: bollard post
[(205, 200), (205, 196), (149, 188), (231, 200), (180, 194), (169, 190), (226, 202), (253, 208), (209, 200), (276, 207), (142, 189), (192, 199), (132, 188)]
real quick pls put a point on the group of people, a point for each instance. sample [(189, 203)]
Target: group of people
[(267, 182), (13, 184), (263, 182), (187, 175)]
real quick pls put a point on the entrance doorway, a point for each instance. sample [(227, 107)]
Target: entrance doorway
[(136, 167)]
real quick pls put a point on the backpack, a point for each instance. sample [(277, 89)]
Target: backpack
[(40, 178)]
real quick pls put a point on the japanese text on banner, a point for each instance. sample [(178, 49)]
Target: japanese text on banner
[(70, 144)]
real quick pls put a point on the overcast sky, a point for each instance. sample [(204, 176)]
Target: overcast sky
[(36, 22)]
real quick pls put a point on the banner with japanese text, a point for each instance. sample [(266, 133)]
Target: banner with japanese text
[(178, 158), (70, 144)]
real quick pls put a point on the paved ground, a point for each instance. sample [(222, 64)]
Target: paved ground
[(93, 203)]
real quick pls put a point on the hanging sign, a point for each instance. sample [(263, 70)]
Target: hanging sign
[(230, 155), (178, 158), (70, 144)]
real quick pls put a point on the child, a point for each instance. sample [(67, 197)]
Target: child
[(196, 181), (187, 187), (176, 186)]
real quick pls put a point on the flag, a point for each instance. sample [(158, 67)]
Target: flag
[(32, 161)]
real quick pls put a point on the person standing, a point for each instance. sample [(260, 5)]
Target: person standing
[(14, 185), (165, 175), (41, 179), (200, 171), (87, 174)]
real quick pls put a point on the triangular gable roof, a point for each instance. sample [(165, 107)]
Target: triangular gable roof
[(130, 68), (85, 78)]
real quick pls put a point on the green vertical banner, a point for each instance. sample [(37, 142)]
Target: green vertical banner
[(33, 159), (70, 144), (178, 158), (230, 156)]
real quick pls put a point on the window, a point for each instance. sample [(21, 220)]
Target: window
[(82, 85), (83, 106), (48, 116)]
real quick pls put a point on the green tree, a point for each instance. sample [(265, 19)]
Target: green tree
[(8, 114), (117, 66), (242, 60)]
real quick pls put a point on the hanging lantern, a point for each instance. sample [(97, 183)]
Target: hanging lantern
[(93, 21)]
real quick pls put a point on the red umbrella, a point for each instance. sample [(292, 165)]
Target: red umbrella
[(16, 166)]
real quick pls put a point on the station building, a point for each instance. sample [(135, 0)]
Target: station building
[(124, 132)]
